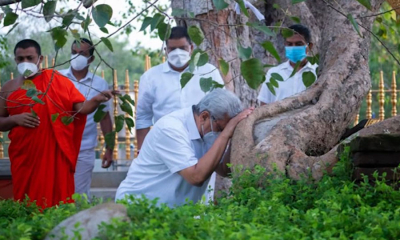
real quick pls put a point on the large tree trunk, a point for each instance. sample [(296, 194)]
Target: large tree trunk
[(297, 133)]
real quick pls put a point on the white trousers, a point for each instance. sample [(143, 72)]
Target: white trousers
[(83, 171)]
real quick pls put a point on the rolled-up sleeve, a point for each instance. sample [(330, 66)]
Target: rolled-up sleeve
[(174, 148), (144, 108)]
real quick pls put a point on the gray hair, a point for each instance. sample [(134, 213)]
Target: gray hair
[(219, 103)]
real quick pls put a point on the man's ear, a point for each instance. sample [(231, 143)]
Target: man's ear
[(310, 45), (40, 59), (91, 59), (191, 48), (204, 115)]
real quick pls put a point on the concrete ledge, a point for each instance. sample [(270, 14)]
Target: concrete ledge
[(5, 171), (110, 179)]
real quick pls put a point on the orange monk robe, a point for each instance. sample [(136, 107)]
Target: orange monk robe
[(43, 159)]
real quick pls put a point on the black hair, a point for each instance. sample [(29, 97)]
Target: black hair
[(178, 33), (27, 43), (302, 30), (85, 40)]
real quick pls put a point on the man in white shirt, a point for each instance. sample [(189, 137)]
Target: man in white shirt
[(89, 85), (160, 89), (183, 149), (297, 47)]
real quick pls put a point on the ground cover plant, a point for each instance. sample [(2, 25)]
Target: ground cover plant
[(333, 208)]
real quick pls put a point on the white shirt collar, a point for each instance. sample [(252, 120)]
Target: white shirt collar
[(191, 126), (167, 68), (286, 65), (70, 75)]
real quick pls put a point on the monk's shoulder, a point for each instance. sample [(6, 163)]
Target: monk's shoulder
[(11, 85)]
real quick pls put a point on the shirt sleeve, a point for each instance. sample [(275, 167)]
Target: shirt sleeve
[(144, 107), (265, 93), (174, 148)]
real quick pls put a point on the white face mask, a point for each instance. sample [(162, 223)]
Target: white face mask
[(79, 62), (28, 69), (210, 137), (178, 57)]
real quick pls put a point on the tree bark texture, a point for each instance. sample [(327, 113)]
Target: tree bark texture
[(298, 135)]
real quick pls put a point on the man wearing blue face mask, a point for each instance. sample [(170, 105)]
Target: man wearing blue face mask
[(183, 149), (88, 84), (297, 48), (160, 90)]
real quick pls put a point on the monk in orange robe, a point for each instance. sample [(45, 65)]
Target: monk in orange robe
[(46, 116)]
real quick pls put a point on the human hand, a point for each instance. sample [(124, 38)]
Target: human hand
[(26, 120), (107, 159), (104, 96), (230, 127)]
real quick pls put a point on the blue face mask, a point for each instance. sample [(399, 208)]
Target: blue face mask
[(297, 53)]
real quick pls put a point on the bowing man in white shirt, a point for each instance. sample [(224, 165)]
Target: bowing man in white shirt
[(297, 47), (183, 149), (160, 90)]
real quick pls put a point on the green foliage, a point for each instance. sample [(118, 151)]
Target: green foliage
[(253, 72), (99, 114), (308, 78), (365, 3), (102, 14), (220, 4), (49, 9), (267, 45), (196, 34), (185, 78), (354, 23), (206, 84), (244, 53), (224, 67), (260, 205)]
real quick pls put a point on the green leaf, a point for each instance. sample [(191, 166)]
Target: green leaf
[(297, 1), (85, 24), (365, 3), (185, 78), (277, 76), (253, 72), (107, 43), (10, 19), (126, 107), (67, 19), (178, 12), (295, 69), (31, 92), (220, 4), (33, 112), (130, 123), (49, 9), (146, 23), (104, 30), (30, 3), (216, 85), (271, 88), (164, 31), (127, 98), (262, 28), (308, 78), (274, 82), (276, 6), (196, 34), (54, 117), (313, 59), (295, 19), (223, 66), (267, 45), (109, 138), (287, 32), (102, 14), (244, 53), (354, 23), (197, 59), (156, 20), (206, 84), (38, 100), (119, 122), (99, 114), (59, 35), (243, 7), (66, 120), (269, 65)]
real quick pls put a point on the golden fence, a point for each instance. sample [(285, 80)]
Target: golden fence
[(126, 139)]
